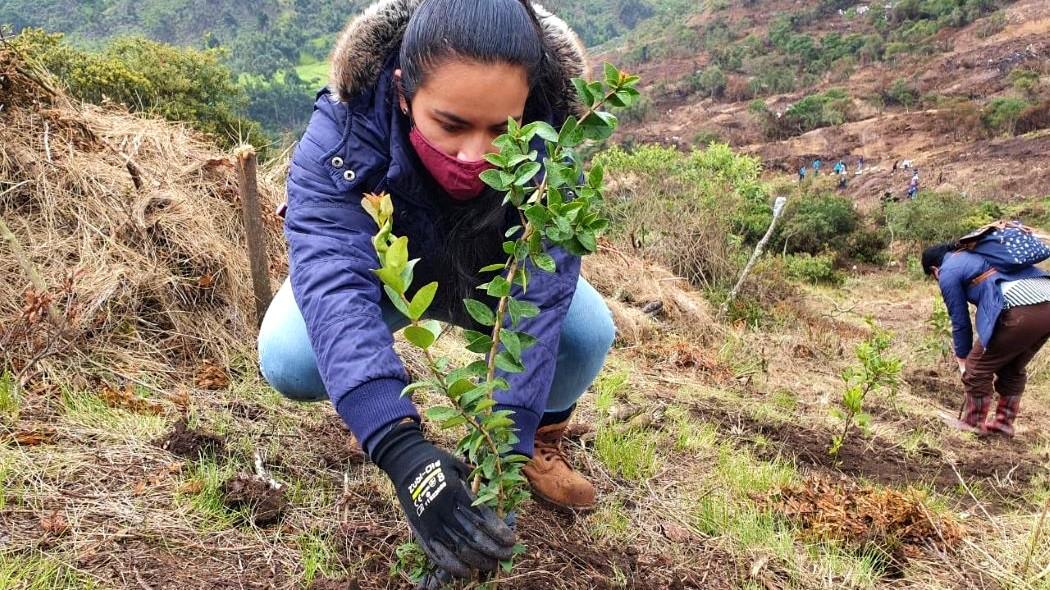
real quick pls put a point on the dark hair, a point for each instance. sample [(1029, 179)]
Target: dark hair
[(486, 31), (934, 256), (489, 32)]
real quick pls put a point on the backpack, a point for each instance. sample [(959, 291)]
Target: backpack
[(1009, 246)]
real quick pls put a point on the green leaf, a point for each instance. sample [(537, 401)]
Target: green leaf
[(397, 255), (597, 174), (521, 309), (585, 93), (421, 301), (498, 160), (474, 369), (406, 273), (512, 343), (518, 159), (537, 214), (598, 125), (441, 413), (526, 173), (414, 386), (570, 133), (391, 278), (493, 267), (508, 363), (544, 130), (544, 261), (493, 178), (419, 336), (480, 312), (586, 238), (612, 75), (498, 287), (461, 386), (478, 342), (526, 340), (396, 299)]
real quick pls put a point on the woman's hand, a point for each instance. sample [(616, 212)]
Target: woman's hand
[(962, 365)]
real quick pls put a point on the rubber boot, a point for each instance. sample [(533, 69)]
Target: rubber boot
[(974, 412), (550, 475), (1005, 413)]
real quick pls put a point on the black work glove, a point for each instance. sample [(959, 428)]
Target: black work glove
[(431, 487), (439, 578)]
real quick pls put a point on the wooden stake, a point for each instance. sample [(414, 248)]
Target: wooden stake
[(254, 230)]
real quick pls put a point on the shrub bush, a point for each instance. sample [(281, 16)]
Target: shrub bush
[(1001, 114), (174, 83), (1033, 118), (815, 223), (934, 217), (819, 269), (868, 245)]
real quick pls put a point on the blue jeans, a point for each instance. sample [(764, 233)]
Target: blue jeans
[(288, 363)]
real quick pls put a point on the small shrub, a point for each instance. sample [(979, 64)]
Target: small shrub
[(934, 217), (1001, 114), (992, 25), (815, 270), (901, 93), (875, 370), (817, 222), (1033, 118), (868, 245)]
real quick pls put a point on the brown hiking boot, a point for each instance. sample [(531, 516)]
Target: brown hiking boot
[(551, 476)]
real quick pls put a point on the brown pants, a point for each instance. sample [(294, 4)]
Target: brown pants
[(1019, 334)]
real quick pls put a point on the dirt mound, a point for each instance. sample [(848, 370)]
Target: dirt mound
[(133, 229), (191, 444), (265, 502)]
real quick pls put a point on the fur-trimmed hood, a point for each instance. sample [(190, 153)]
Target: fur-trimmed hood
[(366, 43)]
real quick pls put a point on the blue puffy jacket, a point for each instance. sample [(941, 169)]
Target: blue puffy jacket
[(956, 273), (357, 142)]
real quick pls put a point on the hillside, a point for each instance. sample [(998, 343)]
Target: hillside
[(139, 447), (938, 98)]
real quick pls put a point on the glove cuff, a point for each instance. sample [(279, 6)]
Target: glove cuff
[(394, 451)]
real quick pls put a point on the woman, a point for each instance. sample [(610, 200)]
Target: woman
[(419, 91), (1013, 323)]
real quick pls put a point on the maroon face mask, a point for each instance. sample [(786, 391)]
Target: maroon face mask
[(458, 178)]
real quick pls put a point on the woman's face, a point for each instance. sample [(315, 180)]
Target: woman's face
[(464, 105)]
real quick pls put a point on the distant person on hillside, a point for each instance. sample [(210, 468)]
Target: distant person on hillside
[(816, 166), (1013, 323), (894, 170), (860, 166), (802, 173), (419, 92), (913, 186), (840, 170)]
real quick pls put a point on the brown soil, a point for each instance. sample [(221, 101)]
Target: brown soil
[(1004, 466), (191, 444), (265, 502)]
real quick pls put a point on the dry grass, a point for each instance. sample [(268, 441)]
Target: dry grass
[(134, 227)]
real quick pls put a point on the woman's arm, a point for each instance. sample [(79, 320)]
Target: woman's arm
[(953, 291), (527, 396), (330, 257)]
